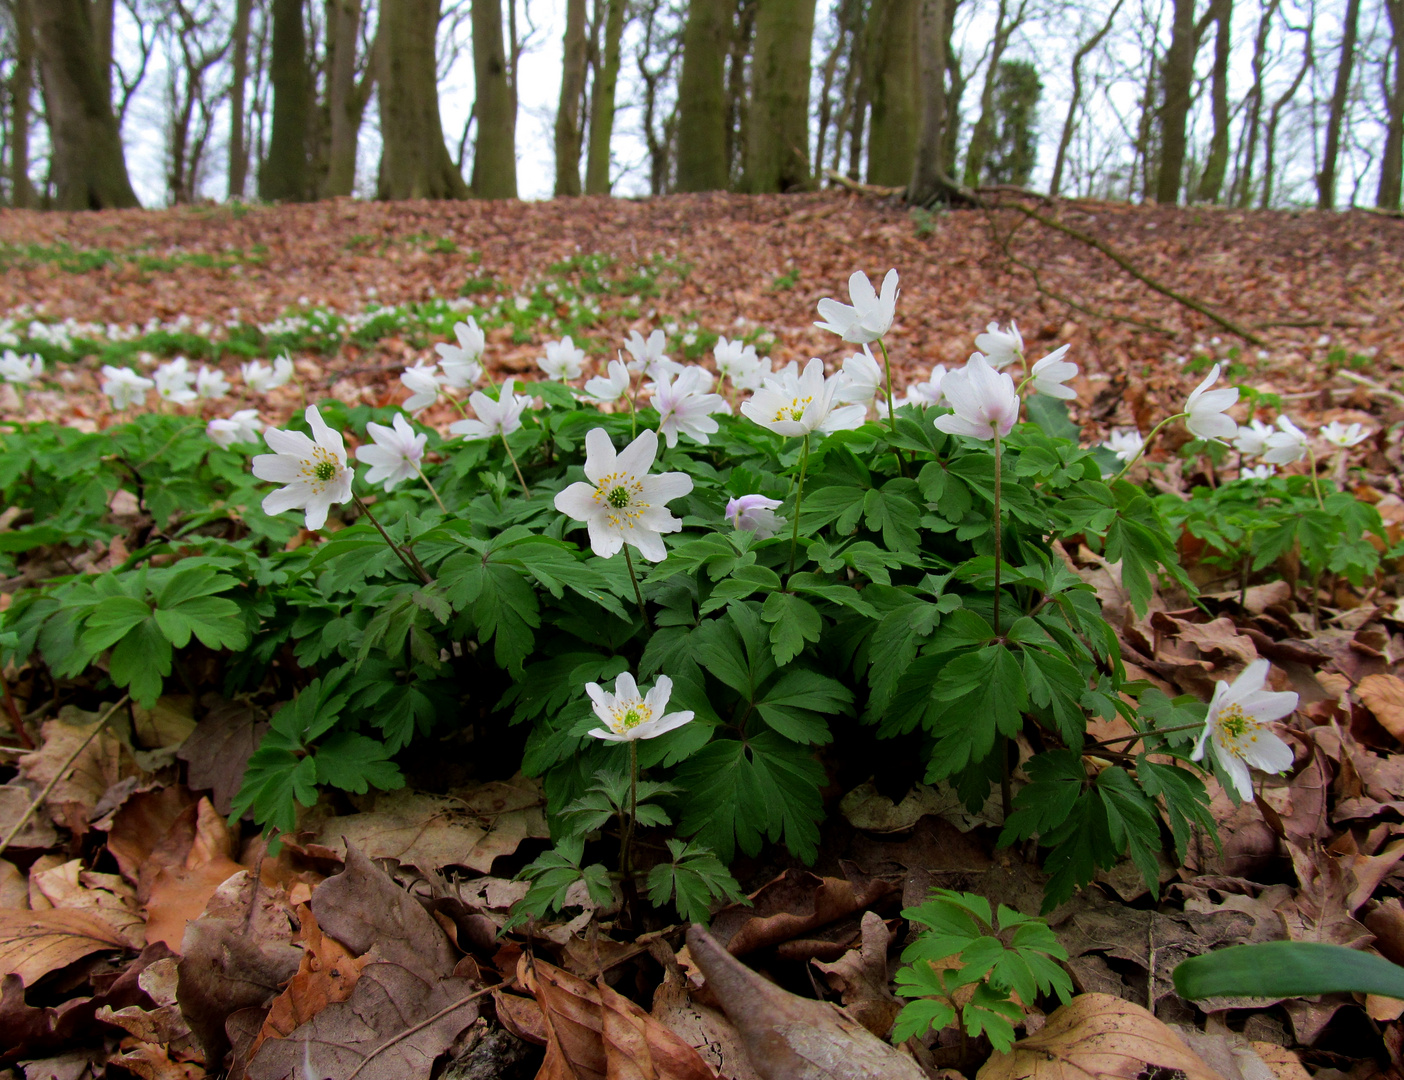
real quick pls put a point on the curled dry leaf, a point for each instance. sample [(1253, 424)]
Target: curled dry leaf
[(430, 831), (107, 896), (1097, 1035), (789, 1037), (388, 1001), (101, 764), (218, 750), (194, 861), (860, 976), (1383, 695), (793, 904), (362, 907), (34, 943)]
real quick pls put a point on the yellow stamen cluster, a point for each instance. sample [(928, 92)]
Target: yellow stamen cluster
[(321, 468), (1235, 725), (620, 492), (794, 411), (629, 715)]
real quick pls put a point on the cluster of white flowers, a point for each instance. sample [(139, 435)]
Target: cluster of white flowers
[(1288, 444), (174, 382)]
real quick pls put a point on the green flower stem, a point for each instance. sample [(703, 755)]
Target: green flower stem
[(1315, 480), (432, 490), (1146, 444), (626, 841), (1006, 801), (513, 459), (799, 497), (406, 556), (887, 367), (1146, 734), (638, 595), (891, 410)]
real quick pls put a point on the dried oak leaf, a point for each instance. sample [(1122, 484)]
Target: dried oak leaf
[(137, 829), (789, 1037), (222, 971), (70, 887), (218, 750), (388, 1000), (792, 904), (594, 1032), (34, 943), (101, 764), (38, 833), (326, 974), (1384, 696), (1103, 1036), (860, 976), (430, 832), (192, 862)]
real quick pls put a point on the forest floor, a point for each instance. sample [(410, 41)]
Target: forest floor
[(122, 864)]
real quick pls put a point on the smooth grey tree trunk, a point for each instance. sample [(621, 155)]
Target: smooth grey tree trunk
[(1392, 163), (929, 180), (1211, 181), (568, 111), (21, 88), (238, 151), (346, 96), (284, 176), (1335, 120), (891, 55), (1177, 78), (602, 97)]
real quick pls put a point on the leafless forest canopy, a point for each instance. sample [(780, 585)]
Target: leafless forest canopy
[(1248, 103)]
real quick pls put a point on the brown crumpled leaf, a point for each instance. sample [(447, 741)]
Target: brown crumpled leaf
[(387, 1000), (362, 907), (70, 887), (860, 976), (705, 1029), (218, 750), (164, 1025), (101, 764), (789, 1037), (792, 904), (326, 974), (34, 943), (1097, 1035), (38, 833), (191, 862), (1383, 695), (222, 971), (137, 829), (593, 1032), (430, 831)]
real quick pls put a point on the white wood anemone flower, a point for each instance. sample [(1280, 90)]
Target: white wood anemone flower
[(610, 386), (793, 404), (648, 357), (313, 470), (23, 370), (869, 317), (1125, 443), (1251, 439), (242, 427), (739, 363), (460, 362), (755, 513), (500, 417), (173, 381), (395, 453), (210, 383), (260, 378), (685, 406), (621, 504), (862, 379), (1337, 434), (984, 401), (124, 387), (424, 382), (1208, 410), (1001, 347), (564, 360), (1237, 727), (1050, 373), (628, 715), (1286, 445)]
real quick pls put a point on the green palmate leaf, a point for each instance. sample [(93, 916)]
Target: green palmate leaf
[(991, 1014), (894, 510), (275, 782), (793, 621), (1184, 799), (798, 704), (1056, 781), (502, 604), (551, 875), (742, 792), (141, 661), (979, 694), (1287, 969), (356, 763), (840, 504), (693, 880)]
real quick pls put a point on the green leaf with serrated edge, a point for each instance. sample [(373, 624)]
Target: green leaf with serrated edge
[(1056, 782), (1131, 820), (355, 762), (920, 1016), (993, 1015), (1183, 797), (797, 704), (793, 621), (140, 662)]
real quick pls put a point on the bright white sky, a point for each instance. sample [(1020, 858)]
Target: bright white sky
[(1049, 40)]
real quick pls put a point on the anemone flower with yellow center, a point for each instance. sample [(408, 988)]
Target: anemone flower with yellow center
[(313, 470), (1237, 727), (629, 715), (619, 501)]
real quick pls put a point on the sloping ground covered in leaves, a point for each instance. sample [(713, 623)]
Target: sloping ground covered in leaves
[(144, 935)]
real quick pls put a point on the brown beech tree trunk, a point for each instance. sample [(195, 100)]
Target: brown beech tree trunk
[(568, 133), (777, 138), (495, 146)]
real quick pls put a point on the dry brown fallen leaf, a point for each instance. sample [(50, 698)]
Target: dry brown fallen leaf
[(70, 887), (218, 750), (34, 943), (188, 878), (346, 1036), (327, 974), (860, 976), (1383, 695), (1097, 1035), (792, 904), (594, 1032), (789, 1037), (100, 765)]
